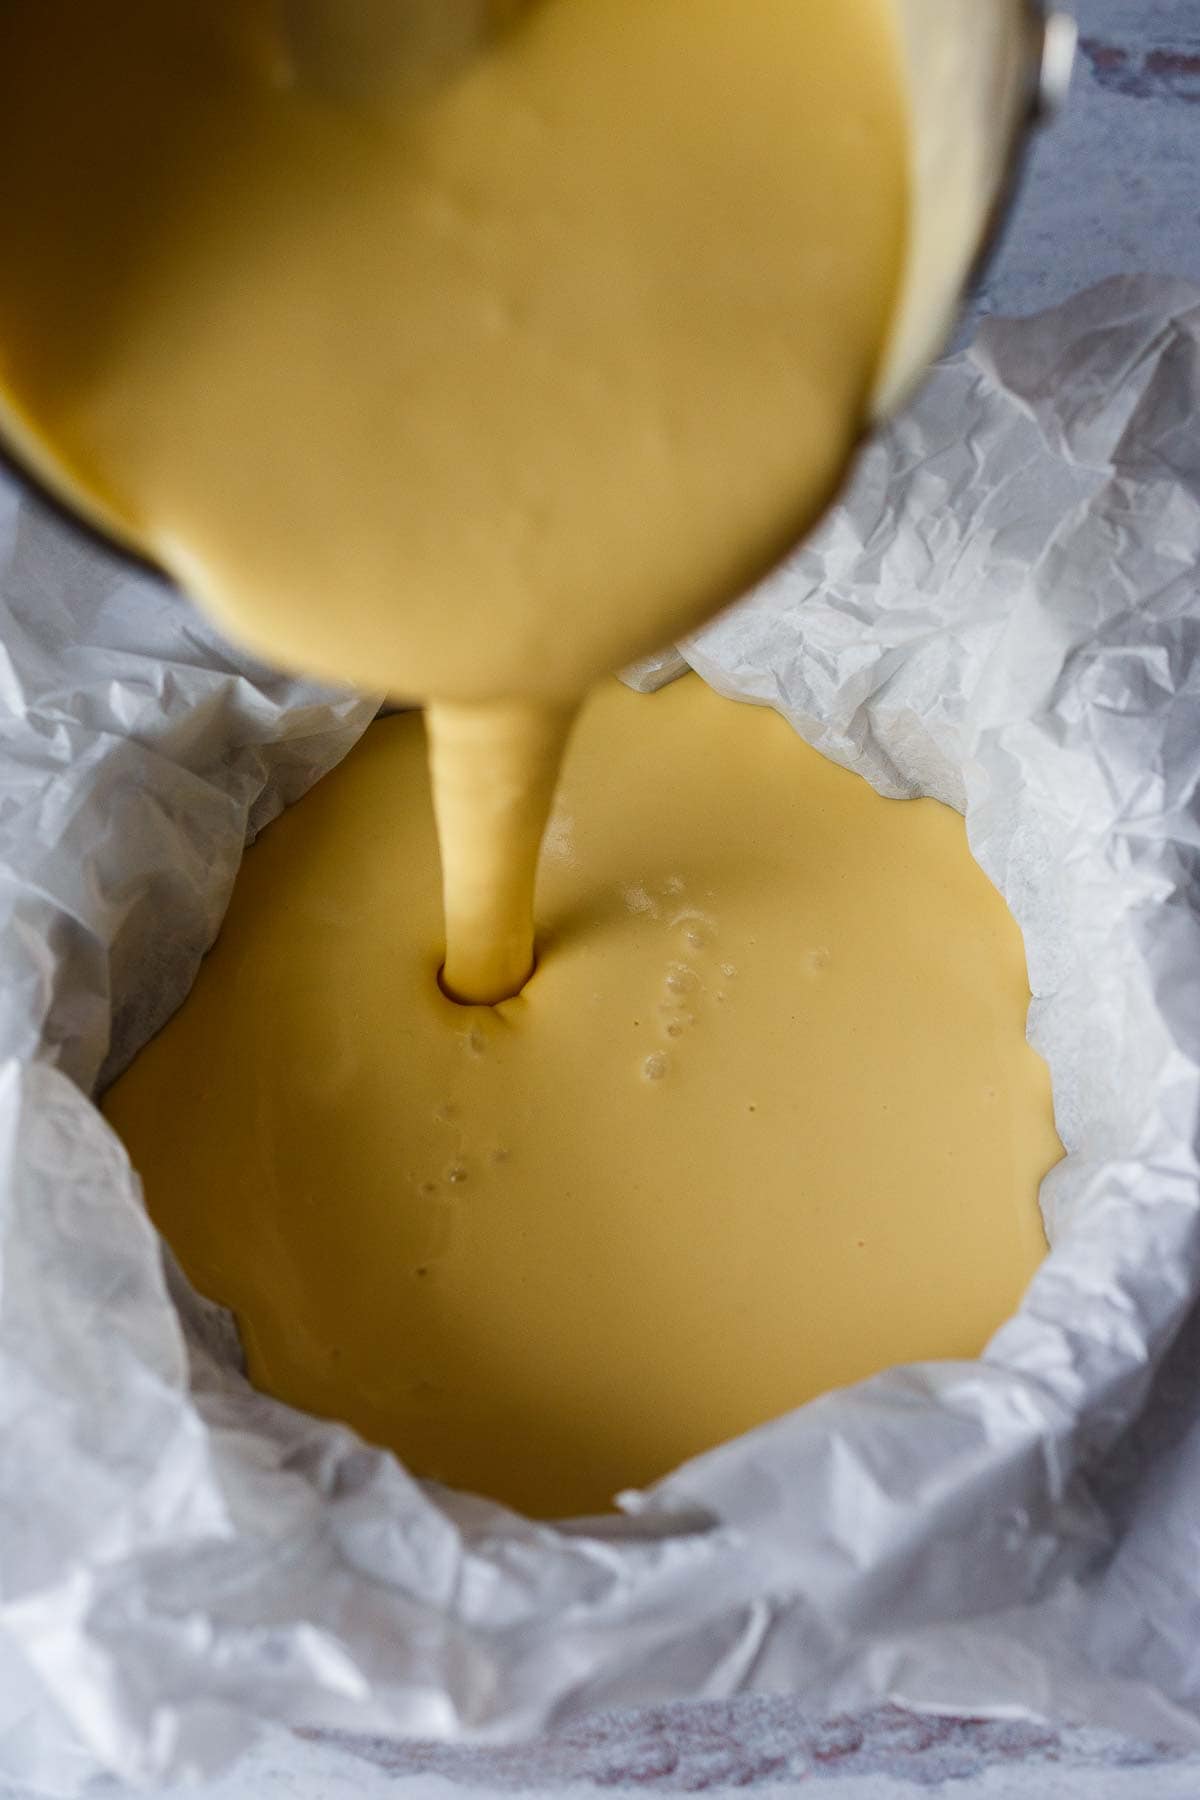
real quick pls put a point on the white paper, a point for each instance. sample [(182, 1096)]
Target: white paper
[(1004, 611)]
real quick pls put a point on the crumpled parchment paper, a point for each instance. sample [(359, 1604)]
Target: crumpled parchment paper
[(1004, 611)]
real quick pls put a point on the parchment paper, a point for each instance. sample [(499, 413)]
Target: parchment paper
[(1004, 611)]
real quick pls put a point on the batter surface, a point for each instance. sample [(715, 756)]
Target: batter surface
[(764, 1120)]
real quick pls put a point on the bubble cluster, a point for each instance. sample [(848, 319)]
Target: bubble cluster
[(655, 1066), (639, 900)]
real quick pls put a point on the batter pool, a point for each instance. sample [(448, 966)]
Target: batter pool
[(763, 1122)]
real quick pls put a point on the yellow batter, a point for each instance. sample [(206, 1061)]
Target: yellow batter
[(764, 1120), (470, 400), (466, 353), (465, 376)]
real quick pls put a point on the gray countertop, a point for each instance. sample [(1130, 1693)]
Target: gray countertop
[(1115, 187)]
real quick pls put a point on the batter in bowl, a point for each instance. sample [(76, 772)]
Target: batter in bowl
[(471, 397)]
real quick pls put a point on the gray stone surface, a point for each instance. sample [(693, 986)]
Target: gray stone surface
[(1114, 186)]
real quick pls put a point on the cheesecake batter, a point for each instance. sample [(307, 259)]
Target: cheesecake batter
[(763, 1121), (468, 367), (468, 377)]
